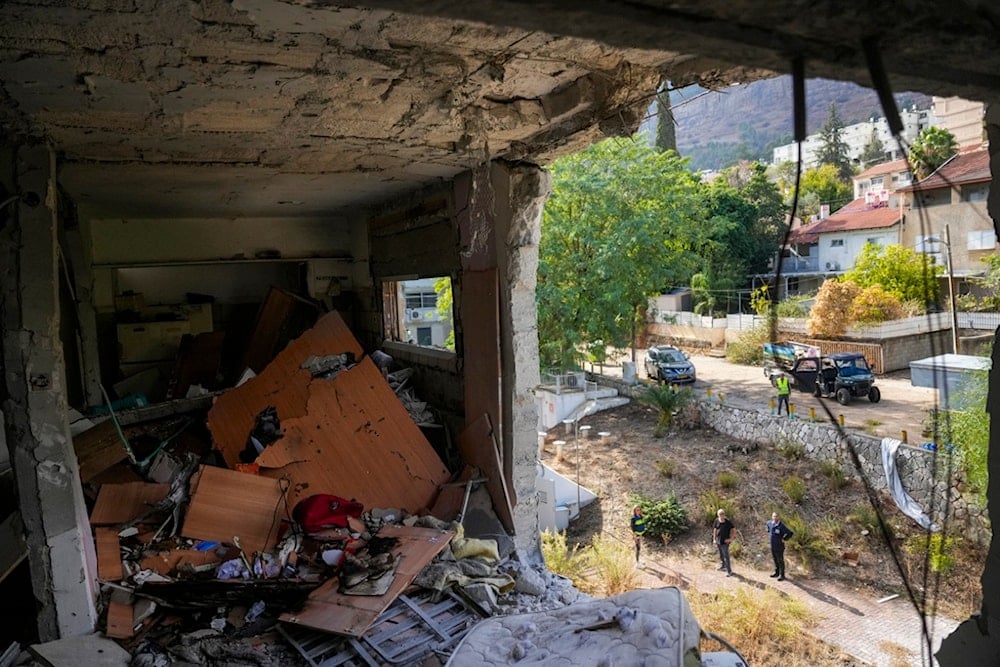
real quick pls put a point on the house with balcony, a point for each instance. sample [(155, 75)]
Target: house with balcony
[(828, 247), (880, 182), (948, 219)]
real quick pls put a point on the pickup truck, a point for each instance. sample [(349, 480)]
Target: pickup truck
[(842, 375)]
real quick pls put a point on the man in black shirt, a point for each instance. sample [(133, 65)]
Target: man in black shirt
[(722, 535), (779, 532)]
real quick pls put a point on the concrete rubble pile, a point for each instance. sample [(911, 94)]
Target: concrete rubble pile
[(294, 519)]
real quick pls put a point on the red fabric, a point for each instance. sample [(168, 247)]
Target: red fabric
[(325, 511)]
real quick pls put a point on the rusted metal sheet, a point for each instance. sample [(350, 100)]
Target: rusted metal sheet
[(329, 610)]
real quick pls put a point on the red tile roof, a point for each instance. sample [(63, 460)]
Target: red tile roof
[(964, 168), (884, 168), (854, 217)]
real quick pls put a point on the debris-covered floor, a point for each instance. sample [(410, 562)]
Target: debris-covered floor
[(300, 517)]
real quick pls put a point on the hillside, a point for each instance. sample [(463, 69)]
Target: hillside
[(717, 128)]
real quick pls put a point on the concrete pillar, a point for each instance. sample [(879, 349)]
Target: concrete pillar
[(977, 640), (520, 194), (75, 246), (63, 565)]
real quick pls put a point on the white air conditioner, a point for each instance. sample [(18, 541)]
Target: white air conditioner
[(413, 314)]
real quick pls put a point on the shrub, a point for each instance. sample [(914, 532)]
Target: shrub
[(710, 502), (807, 542), (728, 480), (794, 488), (834, 299), (938, 549), (791, 450), (865, 517), (748, 348), (666, 467), (665, 517), (665, 400), (834, 473), (794, 306), (874, 305), (612, 563), (561, 559)]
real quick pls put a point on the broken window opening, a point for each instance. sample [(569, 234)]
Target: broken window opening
[(418, 311)]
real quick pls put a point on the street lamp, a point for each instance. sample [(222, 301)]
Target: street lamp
[(951, 290), (576, 441)]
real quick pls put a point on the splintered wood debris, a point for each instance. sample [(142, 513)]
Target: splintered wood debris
[(289, 527)]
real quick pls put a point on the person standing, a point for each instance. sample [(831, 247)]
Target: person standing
[(638, 529), (781, 382), (778, 532), (722, 535)]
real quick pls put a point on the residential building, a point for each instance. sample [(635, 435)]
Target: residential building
[(963, 118), (858, 135), (951, 202), (421, 320), (880, 181)]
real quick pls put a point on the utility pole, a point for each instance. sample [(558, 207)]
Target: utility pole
[(951, 290)]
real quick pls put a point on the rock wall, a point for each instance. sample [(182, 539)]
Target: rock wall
[(931, 478)]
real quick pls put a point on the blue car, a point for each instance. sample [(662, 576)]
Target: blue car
[(667, 364)]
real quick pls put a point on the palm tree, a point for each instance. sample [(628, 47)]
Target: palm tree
[(666, 400), (931, 149)]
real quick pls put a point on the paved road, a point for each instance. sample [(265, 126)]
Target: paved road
[(903, 407)]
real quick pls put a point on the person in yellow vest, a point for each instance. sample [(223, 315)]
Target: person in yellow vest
[(784, 388)]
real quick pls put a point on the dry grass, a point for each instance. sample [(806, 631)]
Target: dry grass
[(603, 569), (899, 655)]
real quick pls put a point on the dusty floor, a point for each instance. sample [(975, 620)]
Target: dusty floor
[(631, 464)]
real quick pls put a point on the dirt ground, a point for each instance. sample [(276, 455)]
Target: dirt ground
[(629, 464)]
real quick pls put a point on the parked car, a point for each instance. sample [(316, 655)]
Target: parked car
[(668, 364)]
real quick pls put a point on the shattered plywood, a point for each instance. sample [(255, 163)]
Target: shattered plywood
[(226, 503), (281, 317), (283, 384), (109, 556), (119, 503), (349, 436), (331, 611), (98, 449), (478, 447)]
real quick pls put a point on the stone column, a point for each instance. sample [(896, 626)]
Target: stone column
[(521, 194), (63, 565), (977, 640)]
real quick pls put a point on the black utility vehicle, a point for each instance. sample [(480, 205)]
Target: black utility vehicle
[(842, 375)]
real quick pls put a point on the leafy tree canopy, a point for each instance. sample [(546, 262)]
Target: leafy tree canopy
[(932, 148), (624, 221), (899, 271), (833, 149), (822, 185)]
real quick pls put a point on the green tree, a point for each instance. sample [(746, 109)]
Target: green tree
[(931, 149), (624, 221), (970, 431), (899, 271), (442, 287), (822, 185), (874, 151), (665, 400), (833, 149), (666, 133)]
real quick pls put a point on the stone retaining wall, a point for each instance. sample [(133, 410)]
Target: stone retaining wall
[(923, 473), (822, 441)]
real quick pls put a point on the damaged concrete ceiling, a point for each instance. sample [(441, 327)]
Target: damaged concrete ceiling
[(271, 108)]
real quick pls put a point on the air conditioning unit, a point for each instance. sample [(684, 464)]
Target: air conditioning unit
[(413, 314)]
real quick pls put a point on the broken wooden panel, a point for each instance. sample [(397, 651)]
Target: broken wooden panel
[(451, 499), (283, 384), (281, 317), (173, 561), (109, 554), (198, 362), (119, 503), (97, 449), (356, 440), (329, 610), (225, 503), (121, 616), (478, 447)]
